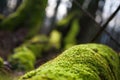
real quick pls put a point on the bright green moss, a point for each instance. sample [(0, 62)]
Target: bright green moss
[(81, 62), (1, 62), (23, 60), (25, 55), (55, 39), (110, 57)]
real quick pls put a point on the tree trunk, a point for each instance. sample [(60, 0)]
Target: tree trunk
[(30, 14)]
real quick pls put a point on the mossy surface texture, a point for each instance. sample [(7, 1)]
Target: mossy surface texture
[(81, 62)]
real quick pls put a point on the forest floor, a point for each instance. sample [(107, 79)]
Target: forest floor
[(9, 41)]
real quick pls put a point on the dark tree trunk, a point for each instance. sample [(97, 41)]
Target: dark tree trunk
[(3, 4)]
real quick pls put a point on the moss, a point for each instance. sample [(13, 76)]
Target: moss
[(111, 57), (7, 76), (37, 45), (81, 62), (55, 39), (68, 18), (70, 27), (29, 14), (70, 39), (25, 55), (1, 62), (23, 60)]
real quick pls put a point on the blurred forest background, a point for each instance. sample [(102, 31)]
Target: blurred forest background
[(35, 31)]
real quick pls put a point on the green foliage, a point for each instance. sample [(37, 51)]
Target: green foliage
[(23, 60), (55, 39), (29, 14), (68, 18), (81, 62), (24, 56), (9, 76), (5, 74), (37, 44), (69, 27), (1, 62), (70, 39)]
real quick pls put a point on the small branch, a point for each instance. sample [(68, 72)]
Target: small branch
[(85, 12), (104, 25), (92, 18)]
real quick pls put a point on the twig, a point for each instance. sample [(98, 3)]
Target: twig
[(92, 18), (104, 25), (85, 12)]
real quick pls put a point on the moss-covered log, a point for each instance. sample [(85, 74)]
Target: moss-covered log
[(30, 14), (25, 55), (81, 62)]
